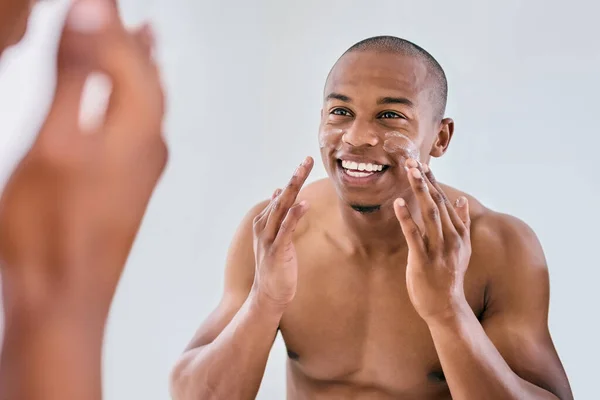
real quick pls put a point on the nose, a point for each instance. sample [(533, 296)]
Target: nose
[(360, 135)]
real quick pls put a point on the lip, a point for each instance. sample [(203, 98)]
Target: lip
[(360, 159), (358, 181)]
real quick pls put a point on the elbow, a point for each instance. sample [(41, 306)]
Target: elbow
[(187, 381), (179, 380), (183, 381)]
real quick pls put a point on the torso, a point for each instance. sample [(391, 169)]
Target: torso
[(351, 331)]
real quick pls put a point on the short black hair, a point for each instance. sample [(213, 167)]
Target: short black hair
[(396, 45)]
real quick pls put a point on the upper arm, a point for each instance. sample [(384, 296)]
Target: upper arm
[(517, 302), (239, 277)]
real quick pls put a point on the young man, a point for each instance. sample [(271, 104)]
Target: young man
[(72, 208), (391, 285)]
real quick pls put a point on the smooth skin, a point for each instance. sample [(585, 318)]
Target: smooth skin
[(14, 15), (71, 210), (433, 296)]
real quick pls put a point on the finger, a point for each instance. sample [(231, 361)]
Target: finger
[(410, 229), (287, 198), (276, 193), (439, 199), (145, 39), (429, 209), (137, 101), (73, 68), (449, 229), (456, 221), (135, 109), (260, 220), (462, 210), (289, 224)]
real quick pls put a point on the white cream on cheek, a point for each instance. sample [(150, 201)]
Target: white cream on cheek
[(331, 137), (401, 146), (397, 144)]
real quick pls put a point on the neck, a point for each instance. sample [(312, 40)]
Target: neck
[(376, 232)]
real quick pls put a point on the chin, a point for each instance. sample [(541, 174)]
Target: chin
[(360, 199)]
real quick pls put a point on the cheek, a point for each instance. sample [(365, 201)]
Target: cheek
[(330, 138), (400, 146)]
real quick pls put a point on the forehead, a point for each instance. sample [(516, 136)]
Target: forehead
[(374, 74)]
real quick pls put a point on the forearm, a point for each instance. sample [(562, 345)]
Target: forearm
[(232, 366), (473, 367), (49, 353)]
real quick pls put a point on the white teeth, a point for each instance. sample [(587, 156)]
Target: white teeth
[(358, 174), (351, 165)]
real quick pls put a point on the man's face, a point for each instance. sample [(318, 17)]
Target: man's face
[(13, 21), (377, 113)]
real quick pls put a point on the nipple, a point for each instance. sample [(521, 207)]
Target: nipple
[(400, 146)]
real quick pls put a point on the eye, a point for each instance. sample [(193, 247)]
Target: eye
[(391, 114), (341, 112)]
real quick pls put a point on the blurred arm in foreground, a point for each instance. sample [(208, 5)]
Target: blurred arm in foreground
[(72, 209)]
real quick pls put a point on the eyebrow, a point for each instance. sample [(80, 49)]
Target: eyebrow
[(338, 96), (395, 100), (382, 100)]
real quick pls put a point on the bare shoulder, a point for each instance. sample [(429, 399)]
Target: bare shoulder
[(503, 244), (240, 260), (322, 199)]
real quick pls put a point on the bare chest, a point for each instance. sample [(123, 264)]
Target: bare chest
[(353, 324)]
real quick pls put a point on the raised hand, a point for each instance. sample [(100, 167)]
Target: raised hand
[(439, 256), (72, 208), (276, 264)]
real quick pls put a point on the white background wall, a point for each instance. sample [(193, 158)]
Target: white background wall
[(245, 81)]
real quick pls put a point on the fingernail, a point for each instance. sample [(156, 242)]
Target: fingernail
[(461, 201), (401, 202), (416, 174), (88, 16), (425, 168)]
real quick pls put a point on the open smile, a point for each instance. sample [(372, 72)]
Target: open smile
[(360, 173)]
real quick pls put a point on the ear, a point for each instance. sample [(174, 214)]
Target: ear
[(442, 140)]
